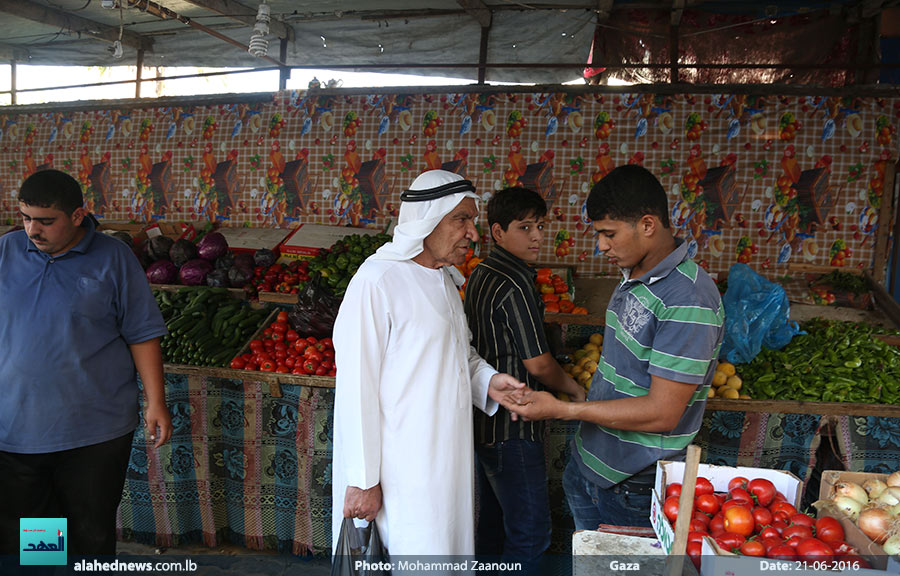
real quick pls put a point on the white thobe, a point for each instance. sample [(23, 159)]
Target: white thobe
[(407, 378)]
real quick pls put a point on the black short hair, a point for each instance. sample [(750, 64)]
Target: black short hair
[(514, 204), (628, 193), (52, 189)]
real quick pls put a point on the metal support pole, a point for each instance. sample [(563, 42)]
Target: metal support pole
[(284, 72), (12, 81), (140, 68)]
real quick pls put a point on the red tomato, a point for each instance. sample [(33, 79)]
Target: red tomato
[(730, 541), (313, 354), (704, 486), (762, 517), (283, 369), (717, 525), (276, 336), (267, 366), (291, 336), (279, 327), (281, 346), (301, 345), (332, 372), (280, 355), (741, 494), (737, 482), (696, 536), (698, 526), (721, 497), (298, 369), (707, 503), (813, 548), (785, 507), (729, 504), (803, 519), (311, 339), (328, 342), (321, 370), (763, 489), (753, 548), (739, 520), (256, 345), (328, 354), (781, 552), (770, 543), (310, 366), (694, 551), (769, 532), (251, 366), (796, 530), (238, 364), (794, 541), (781, 517), (829, 529), (670, 509), (673, 489), (779, 497), (700, 517), (779, 526), (290, 362), (282, 317)]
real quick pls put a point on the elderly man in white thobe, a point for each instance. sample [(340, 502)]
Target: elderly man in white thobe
[(407, 379)]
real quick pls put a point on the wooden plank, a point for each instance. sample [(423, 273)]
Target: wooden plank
[(477, 10), (278, 298), (68, 21), (235, 292), (799, 268), (244, 14), (587, 319), (253, 376), (888, 339), (879, 260), (884, 301), (800, 407)]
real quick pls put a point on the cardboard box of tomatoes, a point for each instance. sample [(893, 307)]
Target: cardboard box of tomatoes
[(719, 477)]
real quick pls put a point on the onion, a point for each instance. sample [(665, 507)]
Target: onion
[(874, 487), (890, 497), (848, 506), (892, 545), (894, 479), (875, 522), (851, 490)]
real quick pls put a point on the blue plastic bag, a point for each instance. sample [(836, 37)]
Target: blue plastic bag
[(756, 315)]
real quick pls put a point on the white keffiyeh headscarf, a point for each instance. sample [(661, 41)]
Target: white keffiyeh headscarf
[(418, 218)]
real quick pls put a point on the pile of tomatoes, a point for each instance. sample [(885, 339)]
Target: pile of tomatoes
[(281, 349), (284, 278), (755, 519)]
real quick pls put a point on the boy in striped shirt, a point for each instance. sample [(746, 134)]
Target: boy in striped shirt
[(664, 327)]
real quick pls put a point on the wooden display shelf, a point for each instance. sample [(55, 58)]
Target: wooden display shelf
[(278, 298), (236, 292), (802, 407), (274, 380)]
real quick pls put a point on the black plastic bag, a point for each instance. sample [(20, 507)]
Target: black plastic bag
[(359, 552), (315, 311)]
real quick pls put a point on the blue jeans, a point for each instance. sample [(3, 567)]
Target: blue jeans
[(514, 507), (592, 505)]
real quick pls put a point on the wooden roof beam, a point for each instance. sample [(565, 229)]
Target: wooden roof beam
[(603, 10), (77, 24), (477, 10), (236, 11), (677, 11), (12, 52)]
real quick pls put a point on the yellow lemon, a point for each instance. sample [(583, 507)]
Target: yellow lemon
[(711, 393), (591, 346), (597, 338), (576, 370), (734, 382), (582, 360), (584, 378), (579, 354), (730, 393), (719, 378), (594, 355), (567, 368), (745, 397), (590, 367), (727, 368)]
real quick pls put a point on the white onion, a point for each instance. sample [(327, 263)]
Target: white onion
[(890, 497), (875, 522), (848, 506), (874, 487), (892, 545), (851, 490), (894, 510), (894, 479)]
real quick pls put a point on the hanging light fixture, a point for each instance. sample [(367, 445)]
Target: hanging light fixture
[(259, 46)]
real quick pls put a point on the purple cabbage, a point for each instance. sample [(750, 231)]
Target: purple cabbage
[(212, 246), (182, 251), (162, 272), (264, 257), (217, 279), (158, 247), (193, 272), (244, 261), (239, 277)]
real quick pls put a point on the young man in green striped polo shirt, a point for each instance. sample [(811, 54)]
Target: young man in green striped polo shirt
[(664, 327)]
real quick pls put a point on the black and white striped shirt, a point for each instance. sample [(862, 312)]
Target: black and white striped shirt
[(506, 317)]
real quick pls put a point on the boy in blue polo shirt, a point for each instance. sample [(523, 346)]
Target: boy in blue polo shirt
[(506, 317), (664, 328), (78, 318)]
